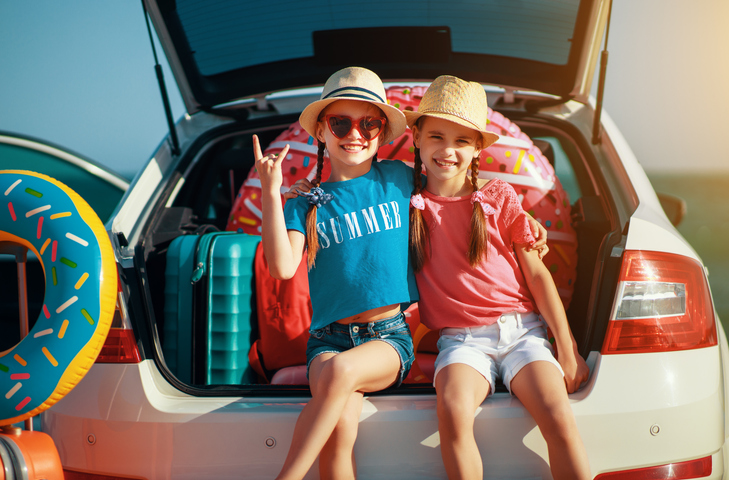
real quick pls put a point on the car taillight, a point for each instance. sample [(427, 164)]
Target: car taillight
[(121, 344), (698, 468), (76, 475), (120, 347), (663, 304)]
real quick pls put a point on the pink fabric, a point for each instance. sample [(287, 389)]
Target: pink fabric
[(417, 202), (452, 293)]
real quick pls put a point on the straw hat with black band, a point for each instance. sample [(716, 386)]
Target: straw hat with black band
[(359, 84), (457, 101)]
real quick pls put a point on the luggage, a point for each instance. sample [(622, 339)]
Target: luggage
[(28, 455), (209, 308), (284, 318)]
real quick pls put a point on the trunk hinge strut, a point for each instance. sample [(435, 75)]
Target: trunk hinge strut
[(601, 81), (162, 89)]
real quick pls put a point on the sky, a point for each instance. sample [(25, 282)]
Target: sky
[(80, 74)]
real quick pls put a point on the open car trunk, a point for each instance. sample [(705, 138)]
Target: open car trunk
[(216, 169)]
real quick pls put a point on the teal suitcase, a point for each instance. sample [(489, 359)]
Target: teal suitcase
[(209, 312)]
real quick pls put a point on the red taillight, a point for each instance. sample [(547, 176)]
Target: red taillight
[(663, 304), (120, 347), (75, 475), (675, 471)]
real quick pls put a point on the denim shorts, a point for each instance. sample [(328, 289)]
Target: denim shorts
[(337, 338), (497, 350)]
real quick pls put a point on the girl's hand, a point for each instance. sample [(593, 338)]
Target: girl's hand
[(540, 234), (575, 370), (303, 185), (269, 166)]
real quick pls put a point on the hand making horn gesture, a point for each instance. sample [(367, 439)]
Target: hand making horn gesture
[(269, 166)]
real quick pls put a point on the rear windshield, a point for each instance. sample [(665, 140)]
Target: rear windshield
[(539, 30)]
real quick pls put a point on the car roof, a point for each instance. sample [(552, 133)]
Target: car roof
[(96, 184), (230, 50)]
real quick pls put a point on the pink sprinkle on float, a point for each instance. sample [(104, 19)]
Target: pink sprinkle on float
[(43, 333), (40, 228), (67, 304), (54, 250), (37, 210), (12, 211), (46, 312), (11, 187), (20, 376), (22, 404), (76, 239), (13, 390)]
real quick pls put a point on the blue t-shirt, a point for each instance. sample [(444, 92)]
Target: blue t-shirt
[(363, 260)]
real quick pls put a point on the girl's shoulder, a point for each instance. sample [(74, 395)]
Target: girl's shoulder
[(395, 170), (398, 166), (499, 191)]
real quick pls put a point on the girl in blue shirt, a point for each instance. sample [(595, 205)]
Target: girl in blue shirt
[(354, 228)]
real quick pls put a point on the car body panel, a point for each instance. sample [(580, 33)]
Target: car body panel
[(147, 420)]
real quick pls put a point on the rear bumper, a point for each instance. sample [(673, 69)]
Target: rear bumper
[(636, 410)]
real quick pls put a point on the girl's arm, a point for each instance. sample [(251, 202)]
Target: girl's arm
[(283, 248), (544, 291)]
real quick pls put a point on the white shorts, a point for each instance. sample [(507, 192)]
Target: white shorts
[(498, 350)]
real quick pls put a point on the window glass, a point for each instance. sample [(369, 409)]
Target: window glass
[(101, 195), (237, 34)]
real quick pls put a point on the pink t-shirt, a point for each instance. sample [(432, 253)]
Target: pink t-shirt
[(452, 293)]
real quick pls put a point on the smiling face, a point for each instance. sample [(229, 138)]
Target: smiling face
[(446, 150), (350, 156)]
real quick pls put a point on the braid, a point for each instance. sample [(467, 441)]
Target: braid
[(479, 235), (312, 237), (419, 238)]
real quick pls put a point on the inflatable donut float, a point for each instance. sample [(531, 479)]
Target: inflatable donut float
[(64, 233), (514, 158)]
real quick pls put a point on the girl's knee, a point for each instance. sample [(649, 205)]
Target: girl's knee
[(559, 425), (338, 374), (455, 409)]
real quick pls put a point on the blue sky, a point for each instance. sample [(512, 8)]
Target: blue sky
[(80, 74)]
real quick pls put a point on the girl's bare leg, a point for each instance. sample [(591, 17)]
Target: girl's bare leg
[(540, 387), (336, 379), (336, 460), (460, 390)]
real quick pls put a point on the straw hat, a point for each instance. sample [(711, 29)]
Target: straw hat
[(355, 83), (458, 101)]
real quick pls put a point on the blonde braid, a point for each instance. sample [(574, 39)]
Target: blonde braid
[(479, 236), (419, 235)]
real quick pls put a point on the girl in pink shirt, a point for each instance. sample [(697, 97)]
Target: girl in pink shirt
[(481, 285)]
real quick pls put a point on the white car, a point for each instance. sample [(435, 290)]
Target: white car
[(640, 308)]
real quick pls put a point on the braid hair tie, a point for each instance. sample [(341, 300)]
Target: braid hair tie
[(316, 196), (417, 202), (479, 197)]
